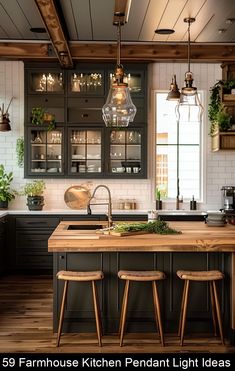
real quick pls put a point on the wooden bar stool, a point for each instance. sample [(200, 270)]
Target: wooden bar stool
[(200, 276), (141, 276), (81, 277)]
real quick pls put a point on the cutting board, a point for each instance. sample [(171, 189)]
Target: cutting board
[(124, 234)]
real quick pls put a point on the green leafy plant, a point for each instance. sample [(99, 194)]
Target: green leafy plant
[(219, 118), (20, 151), (6, 193), (158, 226), (40, 116), (34, 188), (158, 194)]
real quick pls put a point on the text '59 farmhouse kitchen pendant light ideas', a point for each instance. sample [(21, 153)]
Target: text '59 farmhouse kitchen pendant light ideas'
[(119, 109), (189, 108)]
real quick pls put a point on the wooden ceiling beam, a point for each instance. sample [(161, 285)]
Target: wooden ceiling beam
[(51, 20), (129, 52)]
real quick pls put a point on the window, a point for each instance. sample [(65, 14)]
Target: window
[(178, 152)]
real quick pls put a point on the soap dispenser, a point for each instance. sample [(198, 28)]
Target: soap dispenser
[(193, 204)]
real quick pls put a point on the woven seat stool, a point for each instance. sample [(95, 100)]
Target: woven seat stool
[(200, 276), (141, 276), (91, 276)]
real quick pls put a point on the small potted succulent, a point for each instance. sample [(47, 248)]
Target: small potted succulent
[(158, 199), (34, 192), (6, 193)]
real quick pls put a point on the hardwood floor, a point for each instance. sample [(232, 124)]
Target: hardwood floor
[(26, 326)]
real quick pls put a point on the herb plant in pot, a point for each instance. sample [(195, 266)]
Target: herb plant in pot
[(34, 192), (6, 194), (158, 200)]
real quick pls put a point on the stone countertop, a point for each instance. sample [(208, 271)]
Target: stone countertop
[(84, 212)]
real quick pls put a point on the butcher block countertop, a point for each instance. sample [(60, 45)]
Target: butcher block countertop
[(196, 236)]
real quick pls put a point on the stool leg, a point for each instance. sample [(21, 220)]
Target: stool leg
[(121, 315), (157, 310), (218, 312), (181, 310), (184, 312), (124, 310), (99, 312), (62, 313), (213, 308), (96, 308)]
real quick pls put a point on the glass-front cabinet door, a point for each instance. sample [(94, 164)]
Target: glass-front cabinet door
[(46, 81), (86, 82), (45, 152), (126, 152), (85, 152)]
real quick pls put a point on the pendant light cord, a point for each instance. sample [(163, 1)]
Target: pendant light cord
[(119, 44), (189, 50)]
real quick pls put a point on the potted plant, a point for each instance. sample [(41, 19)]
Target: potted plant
[(220, 119), (6, 194), (40, 116), (158, 199), (20, 151), (34, 192)]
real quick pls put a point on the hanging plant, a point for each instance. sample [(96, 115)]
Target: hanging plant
[(41, 117), (20, 151), (219, 118)]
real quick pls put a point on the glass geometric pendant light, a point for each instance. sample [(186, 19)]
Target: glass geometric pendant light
[(189, 107), (119, 109)]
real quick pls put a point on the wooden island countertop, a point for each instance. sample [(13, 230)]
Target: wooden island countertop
[(195, 236)]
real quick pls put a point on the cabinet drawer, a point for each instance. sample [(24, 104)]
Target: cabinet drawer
[(83, 115), (85, 102), (32, 241), (37, 222), (53, 105)]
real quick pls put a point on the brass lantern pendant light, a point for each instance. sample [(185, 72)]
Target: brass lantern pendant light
[(119, 109), (189, 95), (174, 93)]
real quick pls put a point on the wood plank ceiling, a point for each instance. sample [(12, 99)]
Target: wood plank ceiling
[(84, 30)]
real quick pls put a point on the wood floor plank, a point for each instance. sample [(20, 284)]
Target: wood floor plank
[(26, 326)]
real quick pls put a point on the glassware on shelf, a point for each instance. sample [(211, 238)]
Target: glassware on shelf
[(38, 139)]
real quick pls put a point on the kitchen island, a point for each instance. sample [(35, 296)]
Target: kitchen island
[(199, 247)]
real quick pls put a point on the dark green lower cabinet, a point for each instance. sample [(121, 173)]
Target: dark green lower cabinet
[(31, 243), (79, 314)]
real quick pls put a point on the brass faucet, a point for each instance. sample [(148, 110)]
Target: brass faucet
[(109, 203)]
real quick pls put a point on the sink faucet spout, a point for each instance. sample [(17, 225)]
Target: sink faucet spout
[(109, 203)]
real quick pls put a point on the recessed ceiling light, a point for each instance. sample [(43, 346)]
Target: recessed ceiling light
[(38, 29), (164, 31)]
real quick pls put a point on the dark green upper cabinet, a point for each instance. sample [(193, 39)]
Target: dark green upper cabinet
[(80, 146)]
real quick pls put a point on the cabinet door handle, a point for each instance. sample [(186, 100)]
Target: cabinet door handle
[(85, 115), (86, 100), (61, 256), (44, 223)]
